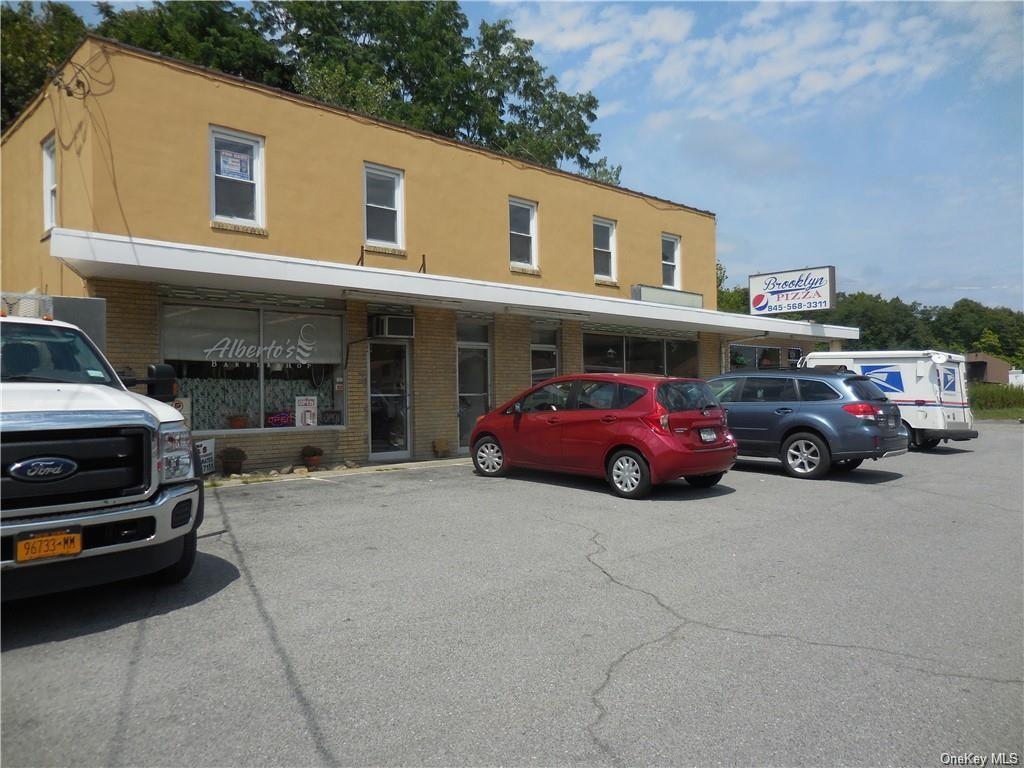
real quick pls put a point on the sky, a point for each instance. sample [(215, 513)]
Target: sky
[(882, 138)]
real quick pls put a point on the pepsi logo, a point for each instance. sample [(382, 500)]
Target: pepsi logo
[(760, 301)]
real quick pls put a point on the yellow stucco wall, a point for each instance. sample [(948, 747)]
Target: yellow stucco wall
[(142, 139)]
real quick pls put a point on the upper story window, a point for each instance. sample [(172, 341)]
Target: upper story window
[(604, 248), (383, 189), (49, 184), (670, 261), (522, 233), (236, 177)]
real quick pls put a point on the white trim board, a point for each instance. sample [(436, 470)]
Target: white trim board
[(115, 257)]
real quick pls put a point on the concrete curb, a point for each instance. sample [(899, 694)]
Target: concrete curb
[(329, 474)]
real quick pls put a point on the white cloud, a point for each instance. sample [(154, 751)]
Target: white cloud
[(611, 39), (776, 57)]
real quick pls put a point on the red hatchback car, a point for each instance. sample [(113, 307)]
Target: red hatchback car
[(634, 430)]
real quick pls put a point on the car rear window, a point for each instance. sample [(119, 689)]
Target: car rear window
[(686, 396), (865, 389), (815, 391)]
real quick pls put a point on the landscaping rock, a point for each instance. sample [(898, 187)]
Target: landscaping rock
[(300, 471), (287, 470), (351, 464), (273, 473), (234, 476), (339, 466)]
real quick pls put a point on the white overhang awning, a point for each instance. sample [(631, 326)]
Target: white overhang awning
[(115, 257)]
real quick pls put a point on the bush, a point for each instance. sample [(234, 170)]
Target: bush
[(986, 397), (311, 450), (232, 453)]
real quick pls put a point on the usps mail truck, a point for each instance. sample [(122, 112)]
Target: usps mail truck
[(929, 387)]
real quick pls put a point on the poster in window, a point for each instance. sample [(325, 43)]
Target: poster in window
[(234, 165), (305, 411)]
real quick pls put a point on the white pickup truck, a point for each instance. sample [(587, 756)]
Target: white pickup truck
[(98, 483)]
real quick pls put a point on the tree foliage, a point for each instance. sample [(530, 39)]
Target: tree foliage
[(411, 63), (967, 326), (34, 43)]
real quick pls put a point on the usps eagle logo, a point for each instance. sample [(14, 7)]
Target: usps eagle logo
[(887, 377), (948, 380)]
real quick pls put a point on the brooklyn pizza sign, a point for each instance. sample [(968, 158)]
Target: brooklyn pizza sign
[(800, 290)]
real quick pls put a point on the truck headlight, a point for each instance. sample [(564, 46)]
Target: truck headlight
[(175, 460)]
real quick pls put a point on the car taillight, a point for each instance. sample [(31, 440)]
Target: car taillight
[(864, 411), (658, 418)]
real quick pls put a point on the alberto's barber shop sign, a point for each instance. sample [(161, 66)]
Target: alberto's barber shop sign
[(797, 291)]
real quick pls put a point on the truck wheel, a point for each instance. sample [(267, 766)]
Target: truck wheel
[(176, 572), (704, 481), (805, 455), (927, 445), (847, 465)]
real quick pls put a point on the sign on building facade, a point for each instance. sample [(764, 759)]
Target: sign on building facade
[(799, 290)]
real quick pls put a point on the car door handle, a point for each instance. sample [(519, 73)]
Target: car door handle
[(609, 419), (553, 420), (783, 411)]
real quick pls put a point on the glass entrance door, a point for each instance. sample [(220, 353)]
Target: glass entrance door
[(389, 400), (474, 388)]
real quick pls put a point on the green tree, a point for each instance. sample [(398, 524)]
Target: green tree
[(214, 33), (989, 343), (735, 300), (32, 44)]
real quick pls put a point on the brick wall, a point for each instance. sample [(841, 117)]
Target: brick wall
[(512, 362), (709, 354), (133, 323), (435, 402), (570, 353)]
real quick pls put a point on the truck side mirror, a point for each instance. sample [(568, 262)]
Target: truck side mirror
[(161, 382)]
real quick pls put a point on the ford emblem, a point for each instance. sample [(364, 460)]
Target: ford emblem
[(43, 469)]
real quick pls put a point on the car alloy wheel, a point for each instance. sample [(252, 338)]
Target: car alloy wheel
[(488, 457), (803, 457)]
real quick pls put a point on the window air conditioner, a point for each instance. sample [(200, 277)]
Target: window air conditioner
[(393, 327)]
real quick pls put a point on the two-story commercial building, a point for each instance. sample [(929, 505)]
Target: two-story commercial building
[(321, 277)]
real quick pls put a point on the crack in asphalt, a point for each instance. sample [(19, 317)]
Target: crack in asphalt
[(308, 714), (118, 739), (595, 695)]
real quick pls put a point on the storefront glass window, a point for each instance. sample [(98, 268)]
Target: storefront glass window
[(603, 354), (682, 358), (645, 355), (219, 353), (741, 356)]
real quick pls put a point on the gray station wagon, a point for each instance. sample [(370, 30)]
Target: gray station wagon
[(811, 421)]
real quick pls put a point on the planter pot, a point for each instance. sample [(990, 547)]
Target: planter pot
[(311, 461), (238, 422), (231, 467)]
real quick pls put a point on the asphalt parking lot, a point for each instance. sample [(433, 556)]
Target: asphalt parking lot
[(431, 617)]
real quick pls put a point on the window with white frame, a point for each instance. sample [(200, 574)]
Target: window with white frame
[(522, 233), (670, 261), (383, 194), (236, 177), (604, 248), (49, 184)]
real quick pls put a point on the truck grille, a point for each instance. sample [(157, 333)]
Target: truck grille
[(113, 463)]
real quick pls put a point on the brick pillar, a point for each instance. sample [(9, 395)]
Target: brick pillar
[(133, 323), (434, 393), (511, 356), (710, 354), (834, 345), (570, 352)]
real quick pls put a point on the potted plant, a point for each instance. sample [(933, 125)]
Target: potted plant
[(231, 459), (311, 455), (238, 421)]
